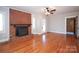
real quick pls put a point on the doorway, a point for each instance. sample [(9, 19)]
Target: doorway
[(71, 26), (43, 26)]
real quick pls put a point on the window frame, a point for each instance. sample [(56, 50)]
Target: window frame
[(3, 21)]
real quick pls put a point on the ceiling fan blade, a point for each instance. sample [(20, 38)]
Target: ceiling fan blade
[(53, 10)]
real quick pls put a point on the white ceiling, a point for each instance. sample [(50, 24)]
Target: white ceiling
[(37, 9)]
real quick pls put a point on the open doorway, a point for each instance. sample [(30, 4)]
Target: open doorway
[(43, 26), (71, 26)]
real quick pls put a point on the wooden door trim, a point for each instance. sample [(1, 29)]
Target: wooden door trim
[(66, 22)]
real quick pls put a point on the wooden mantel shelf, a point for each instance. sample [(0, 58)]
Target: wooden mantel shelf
[(21, 25)]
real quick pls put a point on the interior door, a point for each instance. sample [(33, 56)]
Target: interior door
[(71, 25)]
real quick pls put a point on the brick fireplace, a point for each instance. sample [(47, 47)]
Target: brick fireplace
[(20, 24)]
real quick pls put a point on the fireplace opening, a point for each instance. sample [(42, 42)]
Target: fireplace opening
[(21, 30)]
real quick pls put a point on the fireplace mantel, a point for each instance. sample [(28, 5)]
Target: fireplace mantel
[(21, 25), (19, 18)]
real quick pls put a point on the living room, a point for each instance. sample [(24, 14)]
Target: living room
[(31, 29)]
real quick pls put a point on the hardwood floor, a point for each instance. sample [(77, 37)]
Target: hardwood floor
[(46, 43)]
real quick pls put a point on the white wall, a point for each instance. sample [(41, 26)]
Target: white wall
[(5, 35), (56, 23), (37, 25)]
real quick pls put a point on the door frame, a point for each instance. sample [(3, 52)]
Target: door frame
[(66, 22)]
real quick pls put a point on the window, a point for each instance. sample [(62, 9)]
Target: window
[(1, 22)]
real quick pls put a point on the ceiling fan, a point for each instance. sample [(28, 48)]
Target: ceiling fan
[(48, 10)]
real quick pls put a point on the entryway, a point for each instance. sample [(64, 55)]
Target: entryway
[(71, 26)]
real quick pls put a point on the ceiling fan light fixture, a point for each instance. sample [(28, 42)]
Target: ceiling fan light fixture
[(48, 10)]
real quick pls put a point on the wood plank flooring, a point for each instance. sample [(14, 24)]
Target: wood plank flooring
[(46, 43)]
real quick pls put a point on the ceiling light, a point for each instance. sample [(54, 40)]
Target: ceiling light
[(48, 10)]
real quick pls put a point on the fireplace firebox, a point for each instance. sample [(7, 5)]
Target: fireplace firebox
[(21, 30)]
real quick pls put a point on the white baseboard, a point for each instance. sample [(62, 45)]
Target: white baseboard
[(70, 33), (57, 32), (62, 32), (4, 40), (40, 33)]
